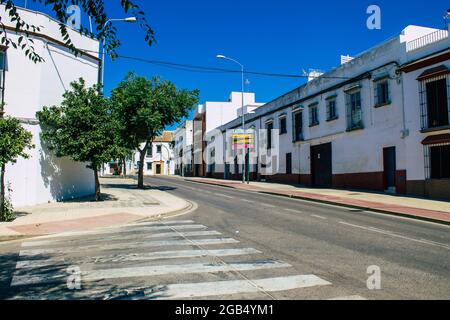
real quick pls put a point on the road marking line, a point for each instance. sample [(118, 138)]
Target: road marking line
[(130, 237), (349, 298), (164, 243), (293, 210), (268, 205), (223, 196), (442, 245), (319, 217), (148, 271), (249, 201), (218, 288), (161, 255), (160, 223)]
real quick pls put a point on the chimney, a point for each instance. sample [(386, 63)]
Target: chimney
[(345, 59), (313, 74)]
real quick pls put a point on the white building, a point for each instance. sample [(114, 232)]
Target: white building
[(379, 122), (183, 138), (27, 88), (211, 115), (160, 158)]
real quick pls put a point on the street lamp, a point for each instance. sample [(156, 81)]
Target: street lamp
[(102, 71), (220, 56), (101, 76)]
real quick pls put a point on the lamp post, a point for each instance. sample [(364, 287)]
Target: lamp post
[(220, 56), (102, 68), (101, 71)]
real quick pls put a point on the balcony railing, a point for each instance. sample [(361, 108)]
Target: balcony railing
[(421, 42)]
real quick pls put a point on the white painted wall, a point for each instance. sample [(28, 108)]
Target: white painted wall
[(220, 113), (29, 87)]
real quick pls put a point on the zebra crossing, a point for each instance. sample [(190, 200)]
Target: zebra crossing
[(154, 260)]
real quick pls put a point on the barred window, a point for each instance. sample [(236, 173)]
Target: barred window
[(437, 158), (269, 128), (283, 125), (434, 101), (297, 126), (354, 111), (313, 115), (332, 109), (382, 94)]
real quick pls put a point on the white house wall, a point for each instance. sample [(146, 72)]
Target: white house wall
[(29, 87)]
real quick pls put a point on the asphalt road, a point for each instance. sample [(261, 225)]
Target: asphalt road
[(237, 245)]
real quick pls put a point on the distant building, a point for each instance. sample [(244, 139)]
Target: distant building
[(26, 88), (210, 116), (183, 138), (160, 159)]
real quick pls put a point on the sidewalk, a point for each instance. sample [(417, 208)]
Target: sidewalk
[(430, 210), (122, 204)]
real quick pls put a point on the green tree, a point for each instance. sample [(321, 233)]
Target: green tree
[(94, 9), (143, 109), (81, 128), (14, 140)]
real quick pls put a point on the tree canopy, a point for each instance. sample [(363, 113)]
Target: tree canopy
[(144, 107), (94, 9), (81, 128), (14, 142)]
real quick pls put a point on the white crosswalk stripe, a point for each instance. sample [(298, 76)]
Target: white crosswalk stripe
[(219, 288), (124, 246), (129, 237), (159, 255), (114, 256)]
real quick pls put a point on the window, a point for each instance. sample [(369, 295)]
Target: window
[(283, 125), (437, 159), (435, 111), (269, 128), (149, 166), (382, 93), (297, 123), (313, 115), (354, 111), (331, 109), (158, 149), (2, 74), (150, 152)]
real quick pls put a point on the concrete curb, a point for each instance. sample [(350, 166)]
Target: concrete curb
[(170, 214), (350, 206), (191, 206)]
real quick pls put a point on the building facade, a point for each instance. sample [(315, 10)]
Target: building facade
[(26, 88), (377, 122), (160, 157), (183, 139), (210, 116)]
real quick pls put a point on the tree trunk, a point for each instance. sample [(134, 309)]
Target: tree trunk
[(124, 172), (141, 167), (2, 191), (97, 184)]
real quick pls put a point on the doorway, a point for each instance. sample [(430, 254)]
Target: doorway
[(390, 168), (321, 166)]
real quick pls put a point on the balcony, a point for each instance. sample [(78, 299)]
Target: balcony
[(424, 41)]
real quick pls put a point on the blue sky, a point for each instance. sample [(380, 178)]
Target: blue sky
[(283, 36)]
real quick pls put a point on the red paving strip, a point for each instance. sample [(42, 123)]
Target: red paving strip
[(369, 205), (76, 224)]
